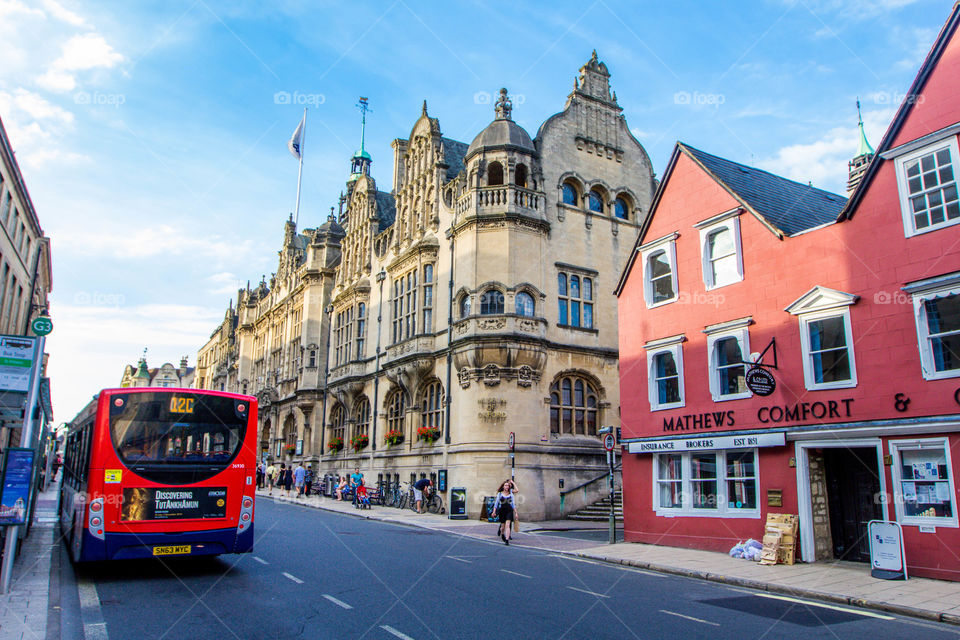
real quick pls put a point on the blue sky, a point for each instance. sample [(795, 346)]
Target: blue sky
[(152, 135)]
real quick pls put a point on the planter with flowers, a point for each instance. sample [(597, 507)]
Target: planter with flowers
[(429, 434), (335, 445), (393, 437), (359, 441), (290, 449)]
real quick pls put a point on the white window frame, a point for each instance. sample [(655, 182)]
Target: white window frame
[(736, 329), (668, 244), (686, 487), (731, 222), (909, 224), (808, 377), (672, 345), (922, 443), (921, 292)]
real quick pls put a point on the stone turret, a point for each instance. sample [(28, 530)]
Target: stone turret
[(858, 165)]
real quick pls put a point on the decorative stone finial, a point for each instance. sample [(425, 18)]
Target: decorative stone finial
[(424, 107), (503, 107)]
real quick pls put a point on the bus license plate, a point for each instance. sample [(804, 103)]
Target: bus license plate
[(171, 551)]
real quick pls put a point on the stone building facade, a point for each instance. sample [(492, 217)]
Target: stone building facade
[(471, 301), (165, 375)]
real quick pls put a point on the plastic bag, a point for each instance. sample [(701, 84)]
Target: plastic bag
[(737, 550)]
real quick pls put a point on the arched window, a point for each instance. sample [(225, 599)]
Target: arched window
[(570, 195), (362, 410), (574, 406), (465, 306), (520, 175), (491, 302), (337, 422), (395, 412), (494, 174), (431, 405), (621, 209), (524, 304), (595, 201)]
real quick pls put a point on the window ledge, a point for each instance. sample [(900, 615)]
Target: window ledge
[(734, 396), (847, 384), (941, 375), (667, 407), (582, 329), (913, 232), (690, 513), (662, 302), (913, 521)]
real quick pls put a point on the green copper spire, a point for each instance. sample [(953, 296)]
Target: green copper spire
[(864, 148)]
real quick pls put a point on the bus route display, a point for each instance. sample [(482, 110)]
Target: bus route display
[(173, 503)]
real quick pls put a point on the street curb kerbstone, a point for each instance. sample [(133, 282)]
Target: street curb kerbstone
[(747, 583)]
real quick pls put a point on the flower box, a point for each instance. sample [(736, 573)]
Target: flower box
[(359, 441), (335, 445), (430, 434), (393, 437)]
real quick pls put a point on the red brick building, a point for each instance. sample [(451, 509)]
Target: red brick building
[(856, 302)]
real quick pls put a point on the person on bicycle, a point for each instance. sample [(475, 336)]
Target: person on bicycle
[(504, 505), (419, 487)]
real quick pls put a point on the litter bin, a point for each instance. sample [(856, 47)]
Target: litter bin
[(328, 485), (458, 503)]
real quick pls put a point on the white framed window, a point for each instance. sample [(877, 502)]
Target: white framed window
[(728, 348), (720, 249), (660, 271), (827, 342), (927, 182), (936, 306), (665, 373), (706, 483), (923, 484)]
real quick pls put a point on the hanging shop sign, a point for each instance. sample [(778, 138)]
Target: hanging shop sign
[(760, 381), (777, 439)]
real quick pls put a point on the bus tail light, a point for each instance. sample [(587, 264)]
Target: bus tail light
[(246, 514), (95, 520)]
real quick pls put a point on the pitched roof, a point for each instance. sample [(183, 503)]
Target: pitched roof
[(906, 106), (386, 210), (789, 206), (453, 155)]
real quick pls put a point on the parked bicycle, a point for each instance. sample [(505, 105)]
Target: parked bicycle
[(432, 503)]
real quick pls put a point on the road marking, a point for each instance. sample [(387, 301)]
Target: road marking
[(680, 615), (399, 634), (260, 560), (599, 595), (339, 603), (516, 574), (94, 627), (859, 612), (458, 559), (294, 578), (558, 555)]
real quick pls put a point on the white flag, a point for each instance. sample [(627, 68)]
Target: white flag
[(294, 143)]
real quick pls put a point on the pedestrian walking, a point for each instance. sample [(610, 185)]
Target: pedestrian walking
[(505, 506), (308, 478), (271, 478), (299, 474), (260, 476), (421, 486), (356, 479)]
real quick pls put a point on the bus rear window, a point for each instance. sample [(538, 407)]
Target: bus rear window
[(177, 437)]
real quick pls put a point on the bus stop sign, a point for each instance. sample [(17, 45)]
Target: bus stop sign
[(41, 325)]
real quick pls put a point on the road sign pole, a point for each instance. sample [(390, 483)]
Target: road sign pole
[(613, 521)]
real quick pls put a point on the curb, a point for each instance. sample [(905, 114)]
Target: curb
[(748, 583), (759, 585)]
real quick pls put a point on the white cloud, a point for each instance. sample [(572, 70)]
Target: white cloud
[(35, 126), (13, 8), (824, 161), (223, 283), (33, 105), (79, 53), (161, 240), (63, 14)]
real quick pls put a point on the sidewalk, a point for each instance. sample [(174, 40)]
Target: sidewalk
[(23, 611), (847, 583)]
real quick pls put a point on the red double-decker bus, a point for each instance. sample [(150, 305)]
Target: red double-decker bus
[(160, 472)]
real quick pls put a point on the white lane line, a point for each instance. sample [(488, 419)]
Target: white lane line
[(680, 615), (516, 574), (563, 557), (294, 578), (592, 593), (459, 559), (339, 603), (859, 612), (94, 627), (260, 560), (393, 631)]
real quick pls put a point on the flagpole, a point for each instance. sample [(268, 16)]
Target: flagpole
[(303, 135)]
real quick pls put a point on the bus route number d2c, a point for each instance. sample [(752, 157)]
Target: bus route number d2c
[(179, 404)]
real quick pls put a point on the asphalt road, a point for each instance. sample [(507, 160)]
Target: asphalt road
[(315, 574)]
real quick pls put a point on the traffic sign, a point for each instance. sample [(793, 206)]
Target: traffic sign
[(609, 441), (513, 440), (41, 325)]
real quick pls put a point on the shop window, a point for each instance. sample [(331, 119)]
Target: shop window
[(707, 483), (924, 491), (665, 375), (927, 183)]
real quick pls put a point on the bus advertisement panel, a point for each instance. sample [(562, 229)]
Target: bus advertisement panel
[(152, 471)]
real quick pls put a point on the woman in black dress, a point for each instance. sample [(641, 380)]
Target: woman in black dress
[(505, 506)]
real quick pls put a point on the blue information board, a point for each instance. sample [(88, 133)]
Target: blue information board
[(15, 491)]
